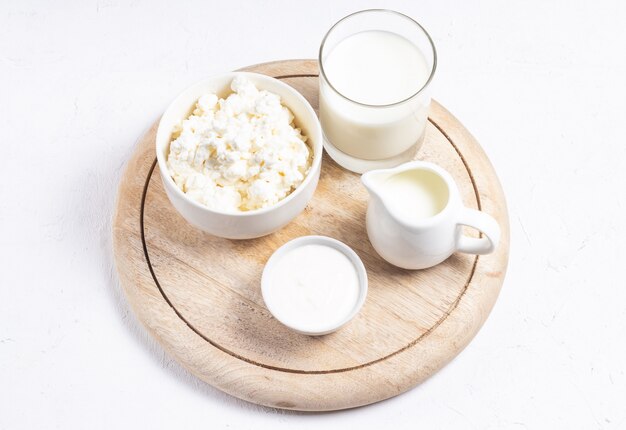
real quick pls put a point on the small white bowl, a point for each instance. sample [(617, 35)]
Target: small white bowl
[(256, 223), (270, 297)]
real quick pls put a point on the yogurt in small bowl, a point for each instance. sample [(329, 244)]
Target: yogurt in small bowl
[(314, 284)]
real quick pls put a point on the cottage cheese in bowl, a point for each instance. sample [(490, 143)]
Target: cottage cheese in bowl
[(239, 153)]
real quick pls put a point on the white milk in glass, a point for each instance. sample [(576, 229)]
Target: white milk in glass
[(374, 111)]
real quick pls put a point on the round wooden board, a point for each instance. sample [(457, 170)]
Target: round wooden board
[(200, 296)]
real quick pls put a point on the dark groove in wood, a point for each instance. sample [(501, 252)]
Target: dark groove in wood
[(469, 171), (296, 76)]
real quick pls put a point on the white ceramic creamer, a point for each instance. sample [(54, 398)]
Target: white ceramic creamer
[(415, 216)]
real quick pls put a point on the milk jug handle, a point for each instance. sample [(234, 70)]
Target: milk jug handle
[(484, 223)]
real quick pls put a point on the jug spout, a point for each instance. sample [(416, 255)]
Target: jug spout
[(374, 182)]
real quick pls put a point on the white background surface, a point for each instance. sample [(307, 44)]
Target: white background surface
[(540, 84)]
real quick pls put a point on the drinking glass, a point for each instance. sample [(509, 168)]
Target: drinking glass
[(361, 136)]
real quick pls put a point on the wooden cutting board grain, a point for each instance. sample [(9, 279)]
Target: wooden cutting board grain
[(200, 295)]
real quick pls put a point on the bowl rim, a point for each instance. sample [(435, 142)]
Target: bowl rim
[(316, 147), (326, 241)]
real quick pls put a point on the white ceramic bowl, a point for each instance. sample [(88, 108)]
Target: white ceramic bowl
[(251, 224), (274, 303)]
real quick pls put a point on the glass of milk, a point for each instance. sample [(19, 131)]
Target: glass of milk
[(375, 72)]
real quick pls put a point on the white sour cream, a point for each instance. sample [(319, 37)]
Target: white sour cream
[(312, 288)]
